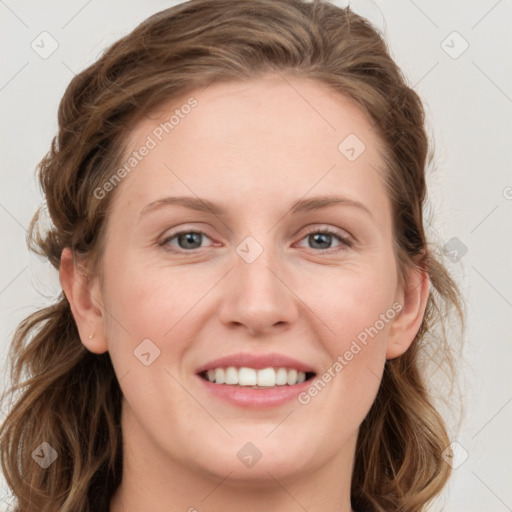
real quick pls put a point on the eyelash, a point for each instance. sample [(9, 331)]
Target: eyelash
[(346, 243)]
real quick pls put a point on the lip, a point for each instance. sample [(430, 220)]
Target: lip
[(249, 398), (246, 397), (256, 361)]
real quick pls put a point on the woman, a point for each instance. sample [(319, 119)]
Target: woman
[(206, 353)]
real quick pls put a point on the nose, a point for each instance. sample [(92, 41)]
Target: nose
[(259, 296)]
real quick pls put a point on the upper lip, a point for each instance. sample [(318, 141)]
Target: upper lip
[(256, 361)]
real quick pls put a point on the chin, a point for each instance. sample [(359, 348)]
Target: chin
[(256, 463)]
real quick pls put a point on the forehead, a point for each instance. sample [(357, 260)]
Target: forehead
[(275, 135), (295, 109)]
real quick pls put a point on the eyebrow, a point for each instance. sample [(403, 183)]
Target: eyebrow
[(203, 205)]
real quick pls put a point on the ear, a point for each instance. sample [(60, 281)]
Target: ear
[(413, 298), (83, 294)]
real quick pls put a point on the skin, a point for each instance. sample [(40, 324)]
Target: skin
[(254, 148)]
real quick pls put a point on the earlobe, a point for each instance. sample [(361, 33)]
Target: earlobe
[(84, 297), (408, 322)]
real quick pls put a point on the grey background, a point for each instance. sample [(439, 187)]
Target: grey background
[(468, 97)]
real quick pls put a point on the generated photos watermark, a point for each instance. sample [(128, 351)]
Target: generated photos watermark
[(151, 142), (355, 348)]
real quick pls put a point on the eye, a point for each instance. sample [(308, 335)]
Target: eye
[(322, 238), (186, 240)]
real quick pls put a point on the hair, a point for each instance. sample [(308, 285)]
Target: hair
[(70, 397)]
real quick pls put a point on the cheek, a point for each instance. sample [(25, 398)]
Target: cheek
[(357, 309), (349, 381), (157, 303), (353, 300), (150, 296)]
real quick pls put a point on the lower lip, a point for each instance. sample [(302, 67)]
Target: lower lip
[(249, 398)]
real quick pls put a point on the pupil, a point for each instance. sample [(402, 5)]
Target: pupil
[(190, 238), (321, 236)]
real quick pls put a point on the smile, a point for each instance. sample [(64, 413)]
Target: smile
[(256, 378)]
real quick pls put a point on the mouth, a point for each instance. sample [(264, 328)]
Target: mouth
[(252, 378), (255, 381)]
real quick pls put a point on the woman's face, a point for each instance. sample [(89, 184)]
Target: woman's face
[(252, 282)]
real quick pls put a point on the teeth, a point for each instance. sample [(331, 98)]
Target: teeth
[(220, 376), (281, 377), (247, 377), (231, 376), (292, 377), (267, 377)]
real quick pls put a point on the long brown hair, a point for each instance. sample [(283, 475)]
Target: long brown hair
[(69, 397)]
